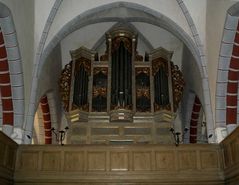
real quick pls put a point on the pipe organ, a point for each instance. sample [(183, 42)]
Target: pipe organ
[(120, 97)]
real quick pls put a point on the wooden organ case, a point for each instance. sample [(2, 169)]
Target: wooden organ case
[(120, 97)]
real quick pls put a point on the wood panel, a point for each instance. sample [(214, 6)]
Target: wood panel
[(101, 132), (96, 161), (51, 161), (142, 161), (120, 164), (165, 160), (101, 164), (74, 161), (8, 150), (29, 160), (230, 148), (119, 161), (187, 160), (209, 159)]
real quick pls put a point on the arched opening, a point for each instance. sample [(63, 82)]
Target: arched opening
[(11, 78), (138, 18), (227, 77)]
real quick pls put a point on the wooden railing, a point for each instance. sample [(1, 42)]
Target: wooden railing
[(116, 164), (230, 151), (107, 164), (8, 149)]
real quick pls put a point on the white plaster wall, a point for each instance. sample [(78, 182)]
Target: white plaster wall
[(23, 16), (87, 37), (197, 10), (215, 19), (42, 11), (71, 8), (49, 82), (159, 37), (50, 73), (191, 74)]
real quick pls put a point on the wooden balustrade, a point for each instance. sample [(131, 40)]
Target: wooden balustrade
[(193, 164), (8, 150), (123, 164), (230, 151)]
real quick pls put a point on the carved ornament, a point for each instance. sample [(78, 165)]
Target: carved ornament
[(158, 64), (103, 70), (65, 85), (85, 62), (177, 85)]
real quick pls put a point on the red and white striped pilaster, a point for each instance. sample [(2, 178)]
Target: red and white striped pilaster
[(232, 85), (5, 88), (194, 120), (46, 119)]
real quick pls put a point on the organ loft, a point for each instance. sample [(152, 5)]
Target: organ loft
[(112, 92), (121, 97)]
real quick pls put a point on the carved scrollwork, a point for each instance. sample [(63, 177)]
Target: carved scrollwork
[(159, 63), (138, 57), (143, 91), (103, 70), (85, 62), (178, 85), (83, 107), (139, 70), (65, 85), (99, 91), (116, 43), (117, 107), (158, 107)]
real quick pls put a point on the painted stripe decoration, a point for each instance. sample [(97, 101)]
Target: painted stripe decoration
[(46, 119), (5, 86), (194, 120), (232, 83)]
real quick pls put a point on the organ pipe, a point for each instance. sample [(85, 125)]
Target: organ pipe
[(121, 77)]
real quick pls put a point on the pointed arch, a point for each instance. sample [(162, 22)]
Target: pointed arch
[(226, 116), (11, 77), (95, 15)]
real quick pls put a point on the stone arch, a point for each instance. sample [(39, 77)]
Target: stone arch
[(11, 79), (227, 75)]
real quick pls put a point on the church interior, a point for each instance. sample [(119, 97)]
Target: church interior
[(109, 92)]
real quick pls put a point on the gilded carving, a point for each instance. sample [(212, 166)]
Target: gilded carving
[(138, 57), (139, 70), (159, 63), (158, 107), (143, 91), (116, 107), (82, 107), (103, 70), (177, 85), (65, 85), (85, 62), (99, 91), (116, 43)]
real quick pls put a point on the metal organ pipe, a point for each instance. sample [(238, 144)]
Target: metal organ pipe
[(126, 77), (81, 85), (121, 77)]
